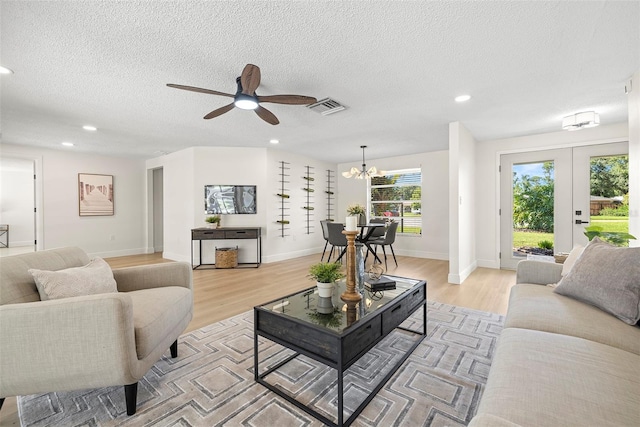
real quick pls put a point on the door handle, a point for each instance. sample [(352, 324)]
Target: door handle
[(579, 221)]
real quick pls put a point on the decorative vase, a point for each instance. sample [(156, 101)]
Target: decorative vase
[(325, 304), (362, 219), (360, 254), (325, 289)]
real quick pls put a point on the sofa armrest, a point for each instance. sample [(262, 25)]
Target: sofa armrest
[(538, 272), (66, 344), (153, 276)]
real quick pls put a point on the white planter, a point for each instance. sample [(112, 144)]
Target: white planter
[(325, 289)]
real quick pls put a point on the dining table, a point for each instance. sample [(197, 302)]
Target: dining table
[(366, 232)]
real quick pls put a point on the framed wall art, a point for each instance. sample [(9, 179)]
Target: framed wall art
[(95, 194)]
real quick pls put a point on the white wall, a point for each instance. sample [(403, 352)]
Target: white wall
[(434, 241), (57, 201), (462, 203), (187, 172), (487, 221), (634, 159), (17, 192), (157, 216)]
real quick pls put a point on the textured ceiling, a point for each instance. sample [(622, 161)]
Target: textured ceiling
[(396, 66)]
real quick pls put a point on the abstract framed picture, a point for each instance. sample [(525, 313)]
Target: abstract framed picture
[(95, 194)]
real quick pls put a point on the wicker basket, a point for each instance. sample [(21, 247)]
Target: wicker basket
[(561, 257), (226, 257)]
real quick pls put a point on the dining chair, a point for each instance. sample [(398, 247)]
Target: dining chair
[(325, 236), (335, 237), (388, 240)]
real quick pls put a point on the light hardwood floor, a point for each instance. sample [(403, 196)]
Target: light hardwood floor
[(219, 294)]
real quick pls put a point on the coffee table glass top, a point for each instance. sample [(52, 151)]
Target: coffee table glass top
[(302, 305)]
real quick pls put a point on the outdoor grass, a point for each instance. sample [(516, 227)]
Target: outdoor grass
[(608, 223)]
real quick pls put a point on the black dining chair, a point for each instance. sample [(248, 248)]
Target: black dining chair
[(325, 236), (335, 237), (388, 240)]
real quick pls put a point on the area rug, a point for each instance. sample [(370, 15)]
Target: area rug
[(211, 383)]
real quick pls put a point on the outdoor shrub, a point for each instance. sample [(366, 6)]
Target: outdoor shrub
[(545, 244), (622, 210)]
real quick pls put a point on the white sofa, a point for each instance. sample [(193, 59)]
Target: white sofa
[(559, 361)]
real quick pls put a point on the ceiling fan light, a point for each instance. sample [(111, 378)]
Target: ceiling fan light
[(245, 102), (587, 119)]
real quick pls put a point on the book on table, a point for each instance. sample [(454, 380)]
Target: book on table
[(381, 284)]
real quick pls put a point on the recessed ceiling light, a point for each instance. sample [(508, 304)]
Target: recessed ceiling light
[(274, 141), (5, 70), (463, 98), (68, 144), (90, 128)]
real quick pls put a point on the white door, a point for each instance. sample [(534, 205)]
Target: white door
[(550, 190)]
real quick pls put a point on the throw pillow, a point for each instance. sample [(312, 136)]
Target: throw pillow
[(571, 259), (607, 277), (93, 278)]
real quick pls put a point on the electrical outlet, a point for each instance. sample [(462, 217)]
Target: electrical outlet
[(112, 237)]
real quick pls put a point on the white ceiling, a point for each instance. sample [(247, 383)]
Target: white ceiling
[(396, 66)]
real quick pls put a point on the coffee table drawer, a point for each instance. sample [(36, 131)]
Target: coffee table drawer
[(394, 316), (417, 297), (360, 339)]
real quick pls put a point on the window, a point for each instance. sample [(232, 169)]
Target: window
[(398, 195)]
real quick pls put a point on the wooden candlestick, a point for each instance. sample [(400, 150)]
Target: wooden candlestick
[(350, 295)]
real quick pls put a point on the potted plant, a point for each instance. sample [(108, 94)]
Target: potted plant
[(358, 210), (325, 274), (214, 219)]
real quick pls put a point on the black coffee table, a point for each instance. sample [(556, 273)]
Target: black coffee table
[(341, 339)]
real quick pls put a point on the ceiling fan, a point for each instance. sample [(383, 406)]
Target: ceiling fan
[(246, 97)]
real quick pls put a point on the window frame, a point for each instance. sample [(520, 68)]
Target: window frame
[(400, 218)]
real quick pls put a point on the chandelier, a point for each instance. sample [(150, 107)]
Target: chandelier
[(364, 173)]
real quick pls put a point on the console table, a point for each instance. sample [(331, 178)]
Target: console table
[(227, 233), (4, 233)]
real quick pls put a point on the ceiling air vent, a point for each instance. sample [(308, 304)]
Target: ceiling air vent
[(326, 106)]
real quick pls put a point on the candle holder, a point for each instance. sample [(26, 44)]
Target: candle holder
[(351, 295)]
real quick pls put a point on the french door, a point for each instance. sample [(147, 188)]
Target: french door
[(546, 200)]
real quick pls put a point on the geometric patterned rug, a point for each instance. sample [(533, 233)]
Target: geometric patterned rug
[(211, 382)]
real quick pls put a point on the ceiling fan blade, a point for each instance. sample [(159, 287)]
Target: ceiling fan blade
[(199, 89), (250, 79), (220, 111), (288, 99), (266, 115)]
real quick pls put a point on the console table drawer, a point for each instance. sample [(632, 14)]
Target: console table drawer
[(394, 316), (207, 234), (241, 234)]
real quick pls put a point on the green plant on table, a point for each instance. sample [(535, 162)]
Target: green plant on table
[(617, 238), (326, 272), (214, 219), (355, 209)]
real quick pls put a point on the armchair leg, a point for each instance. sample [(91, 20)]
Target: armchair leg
[(174, 349), (131, 395), (1, 402)]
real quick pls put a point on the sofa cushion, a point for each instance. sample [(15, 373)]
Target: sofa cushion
[(543, 379), (18, 285), (156, 311), (94, 278), (571, 259), (607, 277), (538, 307)]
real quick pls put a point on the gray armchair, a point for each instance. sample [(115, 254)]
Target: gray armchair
[(88, 341)]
